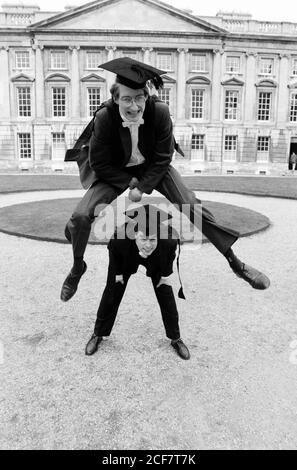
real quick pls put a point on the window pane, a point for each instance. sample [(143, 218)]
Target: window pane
[(59, 101), (93, 60), (293, 107), (25, 150), (164, 61), (266, 66), (58, 146), (197, 104), (264, 106), (24, 101), (233, 64), (131, 54), (197, 142), (58, 59), (198, 63), (22, 59), (231, 105), (93, 100)]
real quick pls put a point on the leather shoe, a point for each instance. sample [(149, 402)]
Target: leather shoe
[(181, 349), (70, 284), (93, 344), (251, 275)]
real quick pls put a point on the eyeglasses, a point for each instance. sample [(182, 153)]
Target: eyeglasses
[(128, 100)]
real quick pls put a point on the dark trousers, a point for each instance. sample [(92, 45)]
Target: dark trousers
[(111, 299), (172, 187)]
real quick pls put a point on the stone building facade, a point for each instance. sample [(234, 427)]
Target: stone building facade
[(231, 82)]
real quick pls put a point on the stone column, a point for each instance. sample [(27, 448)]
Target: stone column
[(147, 54), (283, 91), (4, 80), (110, 77), (250, 89), (39, 82), (181, 85), (75, 91), (216, 85)]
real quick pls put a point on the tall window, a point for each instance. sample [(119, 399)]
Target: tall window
[(293, 107), (231, 105), (58, 146), (266, 66), (263, 149), (58, 60), (264, 105), (233, 64), (93, 100), (197, 147), (294, 67), (25, 147), (164, 61), (24, 101), (230, 147), (58, 101), (93, 60), (164, 95), (197, 104), (22, 59), (198, 63)]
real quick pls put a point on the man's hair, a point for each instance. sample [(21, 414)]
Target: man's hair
[(115, 91)]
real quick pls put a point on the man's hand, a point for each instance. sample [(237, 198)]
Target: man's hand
[(135, 195), (165, 280), (133, 183), (119, 278)]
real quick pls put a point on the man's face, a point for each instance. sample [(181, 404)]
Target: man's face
[(131, 102), (146, 245)]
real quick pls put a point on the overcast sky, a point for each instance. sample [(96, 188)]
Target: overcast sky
[(273, 10)]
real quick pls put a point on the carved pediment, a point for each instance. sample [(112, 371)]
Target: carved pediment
[(93, 77), (293, 84), (198, 79), (129, 15), (267, 83), (57, 77), (233, 82), (167, 79), (22, 78)]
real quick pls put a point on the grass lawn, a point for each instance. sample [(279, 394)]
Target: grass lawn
[(283, 186), (46, 219)]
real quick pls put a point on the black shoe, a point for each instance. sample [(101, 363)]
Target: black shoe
[(70, 284), (93, 344), (181, 349), (251, 275)]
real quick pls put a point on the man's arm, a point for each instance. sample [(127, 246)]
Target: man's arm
[(168, 266), (100, 153), (163, 151)]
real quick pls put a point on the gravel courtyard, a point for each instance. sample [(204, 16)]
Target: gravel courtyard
[(238, 391)]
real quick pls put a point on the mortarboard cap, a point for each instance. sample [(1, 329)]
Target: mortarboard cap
[(132, 73)]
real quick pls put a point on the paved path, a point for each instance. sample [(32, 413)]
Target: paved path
[(238, 391)]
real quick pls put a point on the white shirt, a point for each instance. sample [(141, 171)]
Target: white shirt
[(136, 156)]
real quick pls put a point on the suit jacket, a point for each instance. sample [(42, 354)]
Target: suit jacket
[(125, 259), (110, 147)]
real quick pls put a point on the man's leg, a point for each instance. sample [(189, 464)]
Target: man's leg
[(78, 229), (173, 188), (167, 304), (107, 310)]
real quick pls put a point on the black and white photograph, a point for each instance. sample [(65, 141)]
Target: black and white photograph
[(148, 228)]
